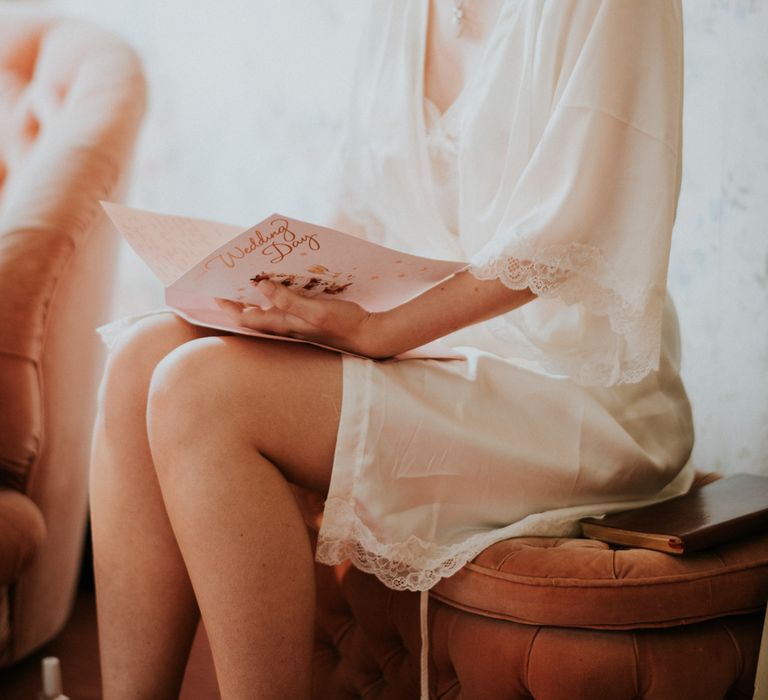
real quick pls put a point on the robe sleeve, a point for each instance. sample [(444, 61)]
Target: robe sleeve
[(587, 225)]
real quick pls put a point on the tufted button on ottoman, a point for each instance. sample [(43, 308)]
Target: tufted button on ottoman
[(552, 619)]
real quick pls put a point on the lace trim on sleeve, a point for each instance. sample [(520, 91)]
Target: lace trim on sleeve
[(579, 273)]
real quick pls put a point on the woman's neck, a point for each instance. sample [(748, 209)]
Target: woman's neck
[(449, 59)]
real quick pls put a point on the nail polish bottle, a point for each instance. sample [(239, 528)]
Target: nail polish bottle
[(52, 689)]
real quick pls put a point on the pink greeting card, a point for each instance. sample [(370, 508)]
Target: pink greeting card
[(198, 261)]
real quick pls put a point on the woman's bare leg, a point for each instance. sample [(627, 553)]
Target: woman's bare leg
[(222, 413), (147, 611)]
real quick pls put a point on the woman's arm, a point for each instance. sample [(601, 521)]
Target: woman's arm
[(459, 301)]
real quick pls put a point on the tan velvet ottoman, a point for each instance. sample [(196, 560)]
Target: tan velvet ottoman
[(552, 619)]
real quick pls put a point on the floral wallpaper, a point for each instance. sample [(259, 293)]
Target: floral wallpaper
[(247, 98)]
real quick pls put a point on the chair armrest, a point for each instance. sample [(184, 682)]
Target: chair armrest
[(22, 531)]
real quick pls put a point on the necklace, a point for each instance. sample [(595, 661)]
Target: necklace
[(457, 17)]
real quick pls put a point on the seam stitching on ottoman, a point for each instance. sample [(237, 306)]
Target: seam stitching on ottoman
[(526, 675), (452, 622), (453, 685), (718, 557), (636, 657), (609, 583), (389, 658), (341, 632), (737, 648), (372, 686), (623, 626)]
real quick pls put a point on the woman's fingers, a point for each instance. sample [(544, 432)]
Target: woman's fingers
[(233, 309), (271, 320), (343, 324), (274, 320), (313, 311)]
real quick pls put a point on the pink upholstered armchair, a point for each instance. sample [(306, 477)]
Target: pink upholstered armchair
[(71, 100)]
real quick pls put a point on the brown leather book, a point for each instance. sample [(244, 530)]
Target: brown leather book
[(723, 510)]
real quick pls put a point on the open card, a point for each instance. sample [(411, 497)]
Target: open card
[(199, 260)]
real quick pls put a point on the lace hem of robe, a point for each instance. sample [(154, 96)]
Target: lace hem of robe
[(414, 564)]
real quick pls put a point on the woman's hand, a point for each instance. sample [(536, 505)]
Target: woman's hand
[(340, 324), (454, 303)]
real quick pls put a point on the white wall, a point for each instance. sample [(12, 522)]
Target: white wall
[(247, 96), (719, 267)]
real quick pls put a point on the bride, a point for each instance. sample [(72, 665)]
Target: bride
[(541, 141)]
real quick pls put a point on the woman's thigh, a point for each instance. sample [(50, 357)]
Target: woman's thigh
[(282, 398)]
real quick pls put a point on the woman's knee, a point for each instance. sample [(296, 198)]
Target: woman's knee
[(132, 361), (197, 390), (221, 388), (218, 394)]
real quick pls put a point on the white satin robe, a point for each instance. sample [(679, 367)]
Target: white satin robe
[(561, 173)]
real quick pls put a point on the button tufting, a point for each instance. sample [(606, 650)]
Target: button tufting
[(561, 582), (61, 91), (30, 127)]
